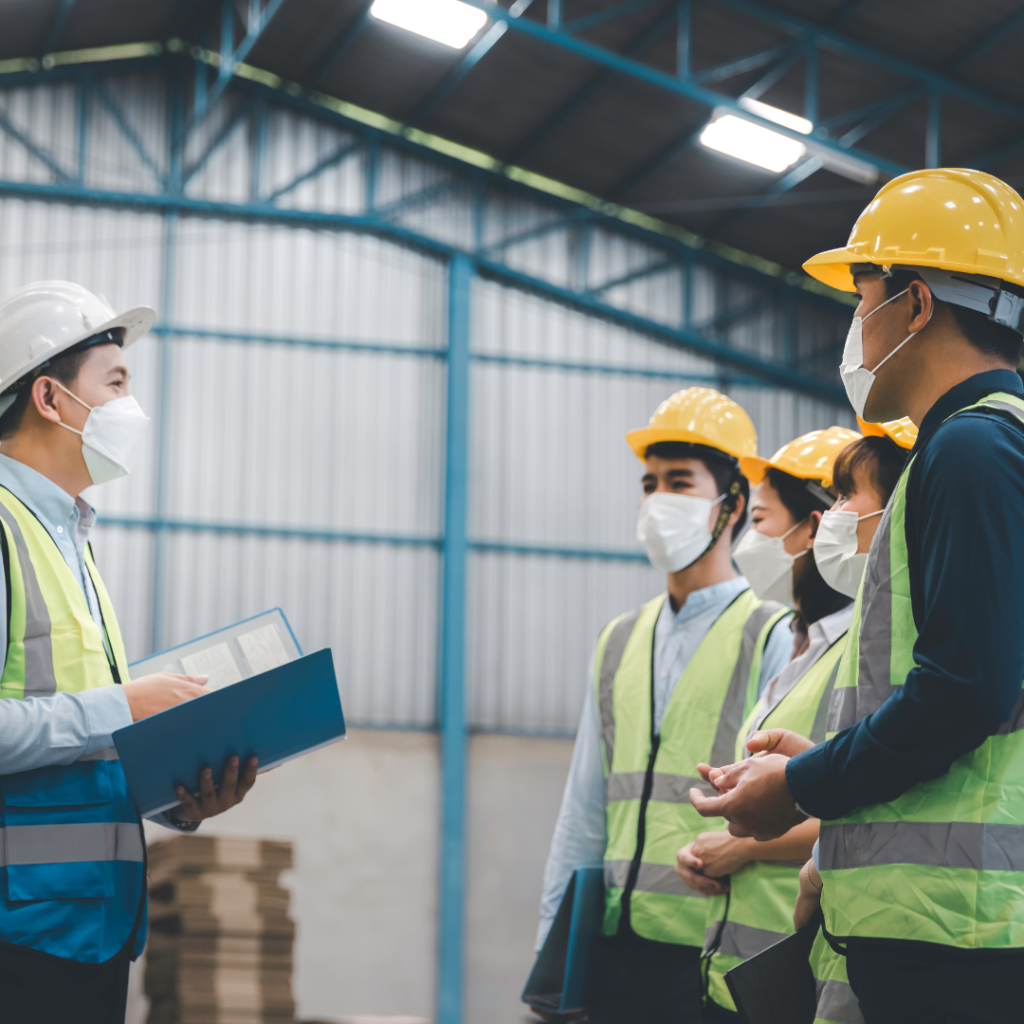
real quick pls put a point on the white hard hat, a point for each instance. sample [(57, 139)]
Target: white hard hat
[(46, 318)]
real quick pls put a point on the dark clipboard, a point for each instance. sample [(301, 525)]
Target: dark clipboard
[(777, 986), (558, 981)]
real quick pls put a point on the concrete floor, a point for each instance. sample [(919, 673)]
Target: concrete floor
[(363, 817)]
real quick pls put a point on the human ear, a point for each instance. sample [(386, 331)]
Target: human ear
[(44, 398)]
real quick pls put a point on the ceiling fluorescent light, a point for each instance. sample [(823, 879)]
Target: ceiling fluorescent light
[(783, 117), (445, 21), (748, 141)]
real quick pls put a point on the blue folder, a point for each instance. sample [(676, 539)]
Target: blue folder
[(558, 981), (276, 715)]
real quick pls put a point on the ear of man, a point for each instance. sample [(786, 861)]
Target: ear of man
[(34, 390)]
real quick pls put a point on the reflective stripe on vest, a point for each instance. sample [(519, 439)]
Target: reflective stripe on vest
[(68, 833), (943, 862), (648, 810), (762, 893), (837, 1003)]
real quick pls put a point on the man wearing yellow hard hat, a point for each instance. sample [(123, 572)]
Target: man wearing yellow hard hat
[(669, 686), (920, 792)]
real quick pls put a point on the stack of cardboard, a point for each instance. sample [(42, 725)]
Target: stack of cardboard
[(220, 939)]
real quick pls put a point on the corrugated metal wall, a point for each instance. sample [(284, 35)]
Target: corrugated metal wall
[(303, 382)]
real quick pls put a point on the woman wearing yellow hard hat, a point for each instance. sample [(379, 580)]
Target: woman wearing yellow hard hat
[(667, 688), (793, 489), (922, 842)]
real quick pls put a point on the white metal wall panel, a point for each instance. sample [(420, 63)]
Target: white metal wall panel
[(124, 558), (218, 154), (374, 604), (533, 625), (287, 434), (46, 113)]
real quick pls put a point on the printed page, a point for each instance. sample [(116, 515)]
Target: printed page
[(263, 649), (217, 662)]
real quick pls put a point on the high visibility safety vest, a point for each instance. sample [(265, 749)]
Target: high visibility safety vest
[(837, 1003), (943, 862), (648, 777), (762, 894), (73, 847)]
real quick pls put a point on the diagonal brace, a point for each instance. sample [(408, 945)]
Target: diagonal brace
[(128, 131), (39, 152)]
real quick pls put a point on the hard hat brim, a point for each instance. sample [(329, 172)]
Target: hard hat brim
[(754, 468), (641, 440), (135, 323), (832, 267)]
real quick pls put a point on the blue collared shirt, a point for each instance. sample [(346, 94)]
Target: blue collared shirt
[(965, 548), (61, 728), (580, 836)]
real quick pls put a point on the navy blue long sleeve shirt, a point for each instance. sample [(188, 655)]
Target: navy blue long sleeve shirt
[(965, 542)]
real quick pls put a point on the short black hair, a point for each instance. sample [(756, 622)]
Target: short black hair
[(985, 335), (724, 468), (883, 459), (813, 597), (64, 368)]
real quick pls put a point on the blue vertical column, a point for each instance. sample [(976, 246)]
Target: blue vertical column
[(452, 696)]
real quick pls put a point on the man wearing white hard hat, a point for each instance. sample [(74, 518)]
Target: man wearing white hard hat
[(73, 912)]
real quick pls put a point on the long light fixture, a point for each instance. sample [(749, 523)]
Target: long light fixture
[(445, 21), (737, 137), (783, 117)]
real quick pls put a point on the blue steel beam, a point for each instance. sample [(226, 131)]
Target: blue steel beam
[(684, 38), (732, 68), (337, 49), (851, 116), (622, 188), (453, 79), (60, 19), (127, 129), (1009, 27), (933, 135), (618, 10), (452, 689), (993, 156), (344, 151), (421, 196), (635, 275), (686, 88), (585, 94), (888, 109), (238, 117), (801, 172), (261, 213), (40, 152)]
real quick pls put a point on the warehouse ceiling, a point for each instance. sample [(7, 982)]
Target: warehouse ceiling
[(611, 96)]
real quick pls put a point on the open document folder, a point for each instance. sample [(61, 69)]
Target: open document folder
[(277, 713), (558, 981)]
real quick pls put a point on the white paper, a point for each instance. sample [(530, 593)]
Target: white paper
[(263, 649), (217, 662)]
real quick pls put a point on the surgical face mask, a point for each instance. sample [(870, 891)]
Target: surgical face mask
[(857, 379), (835, 550), (767, 564), (112, 436), (673, 528)]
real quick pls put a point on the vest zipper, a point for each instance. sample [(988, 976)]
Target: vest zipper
[(641, 827)]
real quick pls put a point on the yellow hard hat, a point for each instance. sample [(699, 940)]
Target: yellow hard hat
[(903, 431), (945, 217), (698, 416), (809, 457)]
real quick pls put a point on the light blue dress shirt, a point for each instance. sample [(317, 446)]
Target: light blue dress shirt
[(61, 728), (580, 830)]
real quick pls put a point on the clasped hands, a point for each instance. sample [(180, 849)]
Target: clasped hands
[(753, 795)]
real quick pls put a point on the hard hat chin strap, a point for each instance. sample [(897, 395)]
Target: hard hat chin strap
[(726, 510), (988, 295)]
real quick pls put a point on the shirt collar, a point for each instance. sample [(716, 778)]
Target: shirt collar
[(966, 393), (833, 626), (698, 601), (51, 505)]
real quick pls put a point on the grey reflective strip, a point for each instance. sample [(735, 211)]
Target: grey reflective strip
[(740, 939), (40, 679), (1017, 414), (723, 750), (1016, 721), (667, 789), (66, 844), (957, 844), (874, 687), (613, 649), (652, 878), (103, 754), (837, 1002), (820, 726)]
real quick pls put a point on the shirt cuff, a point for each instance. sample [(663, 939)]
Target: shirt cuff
[(810, 782), (106, 711)]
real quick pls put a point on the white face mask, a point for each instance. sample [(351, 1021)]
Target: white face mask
[(112, 437), (767, 564), (835, 550), (857, 379), (674, 529)]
